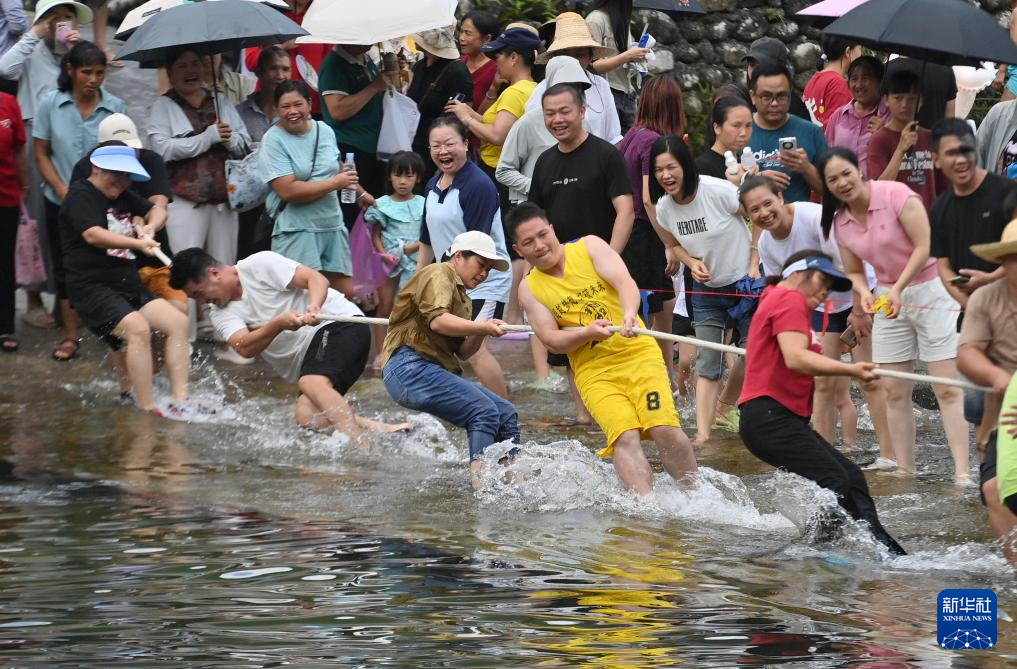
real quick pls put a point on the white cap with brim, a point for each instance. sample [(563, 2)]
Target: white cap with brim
[(480, 244), (119, 159), (83, 12), (119, 128), (995, 251)]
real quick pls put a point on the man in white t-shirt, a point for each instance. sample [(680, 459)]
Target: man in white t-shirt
[(267, 304)]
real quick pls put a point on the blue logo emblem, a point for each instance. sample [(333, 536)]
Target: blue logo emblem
[(966, 619)]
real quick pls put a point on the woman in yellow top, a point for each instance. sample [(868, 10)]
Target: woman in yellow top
[(622, 379), (513, 53)]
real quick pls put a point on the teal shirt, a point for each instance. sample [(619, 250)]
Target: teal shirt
[(58, 121), (343, 75), (400, 225), (284, 154)]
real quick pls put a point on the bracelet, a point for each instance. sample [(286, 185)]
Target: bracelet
[(754, 248), (490, 97), (360, 195), (857, 313)]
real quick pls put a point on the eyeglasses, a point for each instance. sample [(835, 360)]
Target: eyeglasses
[(770, 98), (448, 146)]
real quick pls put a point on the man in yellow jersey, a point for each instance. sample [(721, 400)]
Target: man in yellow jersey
[(621, 378)]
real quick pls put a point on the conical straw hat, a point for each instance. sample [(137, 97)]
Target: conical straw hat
[(571, 32)]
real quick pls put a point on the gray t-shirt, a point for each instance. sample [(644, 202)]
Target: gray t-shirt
[(600, 27)]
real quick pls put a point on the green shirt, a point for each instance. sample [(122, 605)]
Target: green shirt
[(342, 75), (433, 291)]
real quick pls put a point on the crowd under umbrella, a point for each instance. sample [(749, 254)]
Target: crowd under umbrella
[(947, 32), (826, 12), (208, 27), (357, 22), (134, 18)]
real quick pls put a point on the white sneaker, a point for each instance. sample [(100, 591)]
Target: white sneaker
[(227, 354), (881, 465)]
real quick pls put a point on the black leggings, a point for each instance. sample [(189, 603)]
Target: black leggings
[(9, 218), (783, 439)]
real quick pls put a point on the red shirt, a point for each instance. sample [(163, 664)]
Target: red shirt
[(827, 91), (12, 137), (766, 374), (482, 79), (313, 53)]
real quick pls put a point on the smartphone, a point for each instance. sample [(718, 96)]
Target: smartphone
[(61, 30), (959, 279), (787, 143), (458, 97), (848, 337)]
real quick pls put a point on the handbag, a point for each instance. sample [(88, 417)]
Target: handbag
[(29, 268), (399, 121), (265, 226), (245, 187)]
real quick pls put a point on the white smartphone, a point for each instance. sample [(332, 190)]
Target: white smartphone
[(787, 143)]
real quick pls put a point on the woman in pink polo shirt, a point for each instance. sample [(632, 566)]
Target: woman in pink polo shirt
[(884, 223), (852, 125)]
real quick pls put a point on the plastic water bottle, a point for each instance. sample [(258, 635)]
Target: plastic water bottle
[(748, 159), (730, 163), (348, 195)]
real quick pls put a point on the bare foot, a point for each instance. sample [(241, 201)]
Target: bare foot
[(378, 364), (700, 439), (378, 426)]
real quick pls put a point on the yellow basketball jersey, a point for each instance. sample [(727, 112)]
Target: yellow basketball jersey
[(580, 297)]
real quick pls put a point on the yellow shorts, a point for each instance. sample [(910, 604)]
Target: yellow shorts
[(635, 395), (156, 279)]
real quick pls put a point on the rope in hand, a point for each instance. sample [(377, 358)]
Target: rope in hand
[(725, 348)]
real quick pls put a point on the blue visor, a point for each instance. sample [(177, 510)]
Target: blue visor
[(119, 159), (840, 281)]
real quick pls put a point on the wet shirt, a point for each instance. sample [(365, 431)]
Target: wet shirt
[(158, 184), (765, 144), (265, 278), (85, 207), (917, 169), (766, 373), (433, 291)]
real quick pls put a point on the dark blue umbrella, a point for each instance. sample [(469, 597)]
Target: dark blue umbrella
[(208, 28), (948, 32)]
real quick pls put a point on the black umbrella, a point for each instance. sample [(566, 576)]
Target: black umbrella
[(948, 32), (208, 28), (667, 6)]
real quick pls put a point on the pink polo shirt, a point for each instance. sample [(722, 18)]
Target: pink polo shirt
[(844, 127), (882, 241)]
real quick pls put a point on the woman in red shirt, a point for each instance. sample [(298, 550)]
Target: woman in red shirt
[(827, 90), (782, 356), (13, 185)]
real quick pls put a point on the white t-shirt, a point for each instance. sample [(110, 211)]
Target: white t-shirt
[(709, 228), (265, 278), (806, 233)]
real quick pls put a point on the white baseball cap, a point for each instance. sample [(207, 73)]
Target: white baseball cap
[(481, 244), (121, 128)]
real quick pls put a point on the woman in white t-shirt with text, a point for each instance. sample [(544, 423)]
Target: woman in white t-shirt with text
[(701, 226), (788, 228)]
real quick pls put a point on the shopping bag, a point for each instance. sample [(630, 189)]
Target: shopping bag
[(399, 121), (245, 187), (29, 268), (369, 270)]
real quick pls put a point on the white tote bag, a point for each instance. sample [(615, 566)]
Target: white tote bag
[(398, 124)]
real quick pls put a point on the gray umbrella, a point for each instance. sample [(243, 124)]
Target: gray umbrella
[(208, 28)]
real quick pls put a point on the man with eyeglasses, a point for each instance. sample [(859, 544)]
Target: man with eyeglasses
[(793, 169)]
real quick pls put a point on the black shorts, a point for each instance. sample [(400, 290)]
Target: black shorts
[(101, 307), (837, 321), (987, 472), (645, 259), (682, 325), (487, 309), (338, 351)]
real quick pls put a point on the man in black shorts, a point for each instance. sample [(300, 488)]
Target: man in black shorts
[(268, 304)]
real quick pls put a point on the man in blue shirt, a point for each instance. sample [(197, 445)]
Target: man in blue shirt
[(793, 170)]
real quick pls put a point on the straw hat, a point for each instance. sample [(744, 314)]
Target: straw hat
[(1006, 246), (571, 32), (440, 42)]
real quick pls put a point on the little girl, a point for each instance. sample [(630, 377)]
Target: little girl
[(397, 219)]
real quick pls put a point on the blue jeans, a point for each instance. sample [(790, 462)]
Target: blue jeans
[(422, 385), (710, 319)]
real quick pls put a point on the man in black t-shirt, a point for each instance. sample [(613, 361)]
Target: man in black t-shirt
[(969, 212), (582, 182), (939, 89)]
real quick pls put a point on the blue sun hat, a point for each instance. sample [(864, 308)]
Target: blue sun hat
[(119, 159)]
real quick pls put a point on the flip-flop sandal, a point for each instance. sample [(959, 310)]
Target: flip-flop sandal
[(111, 59), (38, 317), (66, 350), (8, 343)]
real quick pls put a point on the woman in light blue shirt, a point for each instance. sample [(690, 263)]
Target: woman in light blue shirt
[(65, 129), (300, 160)]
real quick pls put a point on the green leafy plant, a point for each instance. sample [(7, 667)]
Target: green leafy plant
[(522, 10), (772, 14)]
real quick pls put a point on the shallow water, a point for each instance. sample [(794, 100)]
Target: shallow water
[(244, 542)]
